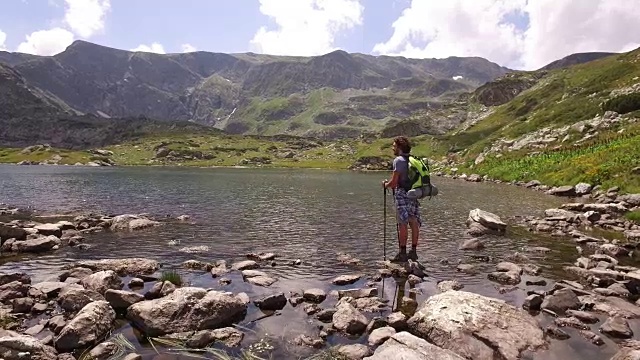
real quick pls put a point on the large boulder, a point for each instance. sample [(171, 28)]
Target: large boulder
[(14, 346), (476, 327), (481, 222), (405, 346), (187, 309), (89, 326)]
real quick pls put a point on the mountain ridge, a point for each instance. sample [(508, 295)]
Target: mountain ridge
[(219, 89)]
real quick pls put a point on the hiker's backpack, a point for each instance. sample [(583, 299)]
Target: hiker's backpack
[(420, 178)]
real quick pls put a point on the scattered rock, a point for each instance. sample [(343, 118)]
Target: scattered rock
[(122, 267), (561, 301), (447, 285)]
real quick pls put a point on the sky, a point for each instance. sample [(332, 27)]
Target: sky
[(519, 34)]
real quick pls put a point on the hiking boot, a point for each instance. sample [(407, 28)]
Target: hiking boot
[(412, 255), (401, 257)]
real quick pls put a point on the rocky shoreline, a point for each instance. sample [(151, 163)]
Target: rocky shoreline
[(76, 312)]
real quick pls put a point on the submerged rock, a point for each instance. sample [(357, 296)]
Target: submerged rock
[(186, 309), (476, 327)]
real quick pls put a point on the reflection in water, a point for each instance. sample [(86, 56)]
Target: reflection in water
[(298, 214)]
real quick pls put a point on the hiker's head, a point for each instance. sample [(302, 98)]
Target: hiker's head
[(401, 145)]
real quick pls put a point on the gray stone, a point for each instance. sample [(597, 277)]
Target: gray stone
[(102, 281), (14, 346), (405, 346), (123, 267)]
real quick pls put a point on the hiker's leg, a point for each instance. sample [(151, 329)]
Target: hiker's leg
[(415, 231), (415, 223), (403, 235), (402, 219)]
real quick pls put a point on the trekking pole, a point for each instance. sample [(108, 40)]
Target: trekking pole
[(384, 197)]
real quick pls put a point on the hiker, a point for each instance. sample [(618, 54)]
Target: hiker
[(408, 209)]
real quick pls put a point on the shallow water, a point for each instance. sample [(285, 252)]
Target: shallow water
[(311, 215)]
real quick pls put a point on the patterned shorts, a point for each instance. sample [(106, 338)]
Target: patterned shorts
[(406, 207)]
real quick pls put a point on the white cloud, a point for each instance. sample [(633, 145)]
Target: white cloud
[(86, 17), (435, 28), (3, 38), (154, 48), (305, 27), (46, 42), (188, 48)]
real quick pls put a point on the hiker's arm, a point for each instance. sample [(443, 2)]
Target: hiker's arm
[(394, 180)]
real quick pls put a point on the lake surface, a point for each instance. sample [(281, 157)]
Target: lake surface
[(311, 215)]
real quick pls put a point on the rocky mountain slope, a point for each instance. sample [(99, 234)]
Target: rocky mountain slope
[(29, 115), (334, 95)]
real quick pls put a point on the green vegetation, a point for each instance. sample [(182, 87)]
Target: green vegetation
[(171, 276), (623, 104), (605, 163), (633, 216)]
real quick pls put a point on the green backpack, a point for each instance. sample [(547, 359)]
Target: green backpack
[(420, 178)]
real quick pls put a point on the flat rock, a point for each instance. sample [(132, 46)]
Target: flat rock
[(72, 298), (49, 229), (123, 267), (476, 326), (264, 281), (38, 245), (245, 265), (128, 222), (405, 346), (228, 336), (447, 285), (346, 279)]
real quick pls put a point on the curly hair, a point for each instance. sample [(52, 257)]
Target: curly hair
[(403, 144)]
